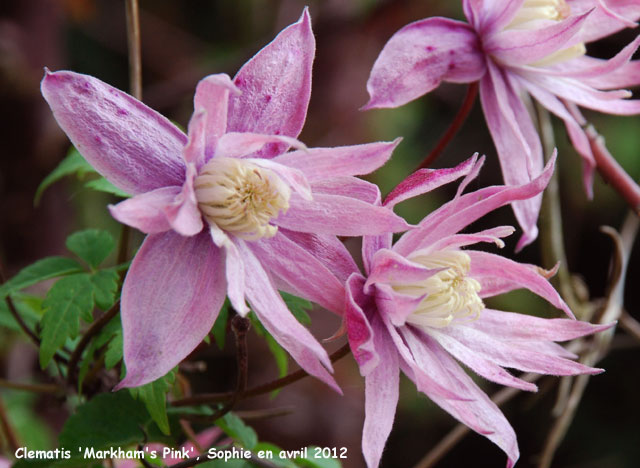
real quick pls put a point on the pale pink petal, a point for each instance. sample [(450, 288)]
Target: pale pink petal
[(212, 95), (281, 324), (171, 296), (325, 163), (276, 85), (146, 212), (234, 268), (389, 267), (183, 213), (292, 177), (493, 235), (478, 412), (611, 16), (381, 397), (425, 180), (514, 326), (395, 306), (371, 244), (346, 186), (237, 144), (626, 76), (359, 331), (490, 15), (522, 46), (193, 152), (419, 57), (339, 215), (134, 147), (486, 266), (309, 276)]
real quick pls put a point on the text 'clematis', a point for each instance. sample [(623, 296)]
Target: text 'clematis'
[(420, 309), (517, 49), (228, 211)]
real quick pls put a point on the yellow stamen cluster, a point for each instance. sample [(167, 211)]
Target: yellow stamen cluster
[(240, 197)]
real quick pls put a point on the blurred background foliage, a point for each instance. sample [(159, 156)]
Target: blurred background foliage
[(182, 41)]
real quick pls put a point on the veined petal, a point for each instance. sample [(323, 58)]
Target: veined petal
[(425, 180), (281, 324), (626, 76), (487, 16), (293, 177), (609, 17), (381, 397), (146, 212), (359, 331), (340, 216), (371, 244), (234, 268), (389, 267), (276, 86), (514, 47), (419, 57), (239, 144), (326, 163), (212, 95), (183, 213), (193, 152), (485, 266), (348, 186), (298, 267), (493, 235), (134, 147), (395, 306), (171, 296)]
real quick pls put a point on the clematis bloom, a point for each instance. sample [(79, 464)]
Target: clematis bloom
[(517, 49), (420, 309), (228, 211)]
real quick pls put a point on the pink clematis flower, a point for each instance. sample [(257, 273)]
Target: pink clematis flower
[(227, 210), (517, 49), (420, 309)]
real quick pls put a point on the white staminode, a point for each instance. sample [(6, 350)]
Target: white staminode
[(451, 295), (241, 197), (532, 15)]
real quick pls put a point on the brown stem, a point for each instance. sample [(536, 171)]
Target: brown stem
[(612, 172), (133, 41), (207, 398), (36, 388), (7, 429), (461, 116), (93, 330)]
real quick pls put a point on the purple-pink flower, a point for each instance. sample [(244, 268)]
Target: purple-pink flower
[(228, 211), (517, 49), (420, 309)]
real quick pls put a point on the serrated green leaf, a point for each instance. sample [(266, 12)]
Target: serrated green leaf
[(91, 245), (74, 163), (298, 307), (154, 397), (47, 268), (103, 185), (219, 329), (310, 461), (105, 287), (235, 428), (68, 299)]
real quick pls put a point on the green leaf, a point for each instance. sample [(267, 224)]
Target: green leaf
[(219, 329), (47, 268), (29, 308), (103, 185), (74, 163), (154, 397), (310, 461), (298, 307), (68, 299), (91, 245), (114, 351), (105, 287), (235, 428)]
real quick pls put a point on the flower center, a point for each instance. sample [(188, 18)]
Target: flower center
[(451, 295), (529, 17), (240, 197)]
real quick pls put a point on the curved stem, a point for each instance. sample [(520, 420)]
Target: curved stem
[(207, 398), (36, 388), (461, 116), (10, 435)]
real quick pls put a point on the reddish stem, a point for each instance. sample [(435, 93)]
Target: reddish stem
[(461, 116)]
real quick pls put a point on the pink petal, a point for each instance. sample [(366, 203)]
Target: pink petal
[(610, 17), (381, 397), (193, 152), (371, 244), (490, 15), (276, 318), (626, 76), (389, 267), (395, 306), (237, 145), (130, 144), (276, 85), (325, 163), (485, 266), (522, 46), (478, 411), (183, 213), (493, 235), (234, 268), (146, 212), (296, 266), (293, 177), (425, 180), (347, 186), (359, 331), (171, 296), (212, 95), (339, 215), (419, 57)]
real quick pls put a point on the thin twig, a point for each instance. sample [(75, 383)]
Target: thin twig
[(35, 388), (135, 54), (266, 413), (630, 325), (207, 398), (93, 330), (459, 119), (12, 439)]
